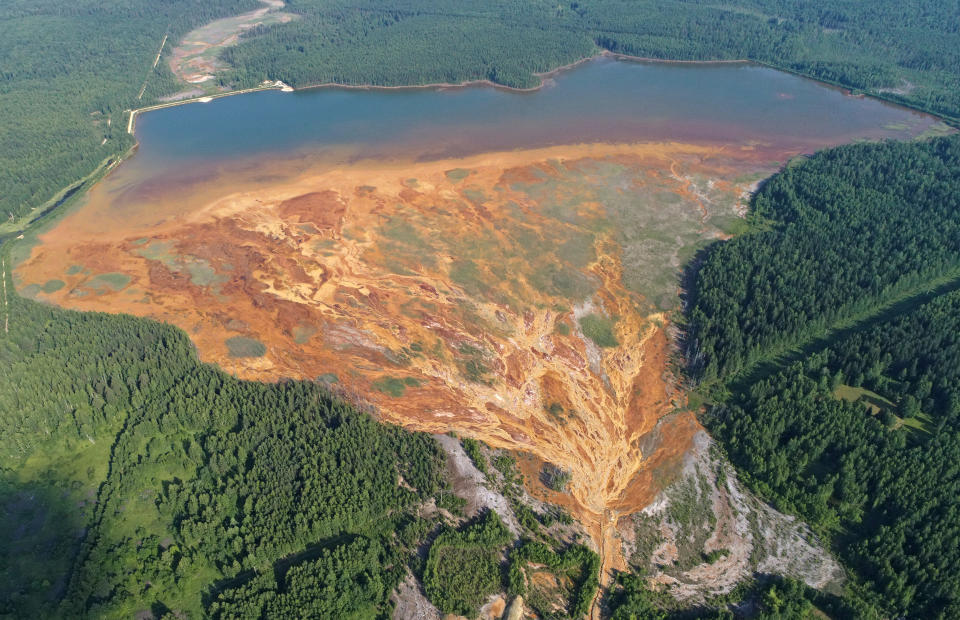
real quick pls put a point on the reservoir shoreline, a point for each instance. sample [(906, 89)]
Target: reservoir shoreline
[(12, 229), (544, 78)]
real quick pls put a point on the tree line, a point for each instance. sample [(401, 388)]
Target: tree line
[(850, 229), (66, 70), (151, 481), (860, 434)]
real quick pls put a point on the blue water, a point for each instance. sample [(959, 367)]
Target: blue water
[(602, 100)]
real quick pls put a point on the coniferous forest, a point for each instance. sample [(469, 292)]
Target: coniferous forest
[(134, 474), (829, 338)]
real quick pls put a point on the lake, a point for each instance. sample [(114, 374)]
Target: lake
[(601, 100)]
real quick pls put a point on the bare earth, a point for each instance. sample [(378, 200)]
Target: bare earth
[(447, 295), (195, 60)]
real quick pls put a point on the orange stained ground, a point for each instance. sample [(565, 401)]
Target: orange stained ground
[(449, 295)]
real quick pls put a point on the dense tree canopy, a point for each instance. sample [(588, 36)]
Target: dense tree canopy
[(463, 566), (903, 51), (852, 228), (159, 482), (68, 70), (859, 430)]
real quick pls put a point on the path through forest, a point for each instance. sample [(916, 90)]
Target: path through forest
[(6, 308), (155, 61)]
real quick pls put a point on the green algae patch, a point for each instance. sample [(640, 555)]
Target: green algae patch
[(114, 281), (466, 274), (559, 280), (202, 272), (52, 286), (302, 333), (394, 386), (399, 229), (457, 174), (241, 346), (328, 379), (578, 250), (475, 195), (162, 251)]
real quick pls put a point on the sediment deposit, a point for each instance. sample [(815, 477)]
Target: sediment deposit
[(521, 298)]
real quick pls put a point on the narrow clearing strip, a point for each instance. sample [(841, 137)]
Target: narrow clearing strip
[(6, 307), (155, 61), (900, 305)]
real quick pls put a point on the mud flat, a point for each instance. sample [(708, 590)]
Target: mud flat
[(499, 264), (517, 297)]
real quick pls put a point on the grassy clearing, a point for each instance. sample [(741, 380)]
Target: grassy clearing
[(884, 407), (872, 400), (600, 330), (730, 224)]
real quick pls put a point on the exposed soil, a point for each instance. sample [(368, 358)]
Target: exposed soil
[(705, 509), (469, 483), (410, 602), (195, 59), (447, 295)]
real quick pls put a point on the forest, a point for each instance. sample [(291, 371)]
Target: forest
[(853, 228), (69, 71), (136, 478), (907, 52), (857, 428)]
